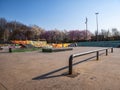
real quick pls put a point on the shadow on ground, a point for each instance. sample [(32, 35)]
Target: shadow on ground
[(50, 74)]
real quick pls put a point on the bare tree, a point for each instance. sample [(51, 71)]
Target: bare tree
[(115, 34)]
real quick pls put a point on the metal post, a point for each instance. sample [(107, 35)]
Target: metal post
[(111, 50), (10, 50), (97, 55), (70, 64), (106, 52)]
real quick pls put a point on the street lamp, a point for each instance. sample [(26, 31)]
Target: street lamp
[(97, 25)]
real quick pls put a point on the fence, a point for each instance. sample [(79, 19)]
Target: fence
[(100, 44), (85, 53)]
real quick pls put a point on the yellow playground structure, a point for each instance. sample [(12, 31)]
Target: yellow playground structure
[(40, 43)]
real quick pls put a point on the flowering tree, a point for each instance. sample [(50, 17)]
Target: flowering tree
[(77, 35), (52, 36)]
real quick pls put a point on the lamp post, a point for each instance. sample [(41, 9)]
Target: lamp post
[(97, 25)]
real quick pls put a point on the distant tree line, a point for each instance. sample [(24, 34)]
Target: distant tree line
[(107, 35), (13, 30)]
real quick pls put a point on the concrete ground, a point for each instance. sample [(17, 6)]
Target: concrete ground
[(47, 71)]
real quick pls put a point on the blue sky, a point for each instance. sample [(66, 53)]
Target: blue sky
[(63, 14)]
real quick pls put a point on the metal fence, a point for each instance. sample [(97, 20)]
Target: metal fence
[(85, 53)]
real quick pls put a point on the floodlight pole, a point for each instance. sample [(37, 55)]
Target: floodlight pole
[(97, 25), (86, 28)]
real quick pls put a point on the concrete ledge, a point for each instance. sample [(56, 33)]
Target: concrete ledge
[(56, 49)]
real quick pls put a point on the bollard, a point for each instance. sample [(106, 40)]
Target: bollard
[(111, 50), (10, 50), (106, 52), (97, 55)]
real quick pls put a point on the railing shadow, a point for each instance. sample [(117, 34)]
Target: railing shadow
[(49, 74)]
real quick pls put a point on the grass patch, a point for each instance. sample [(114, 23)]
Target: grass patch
[(25, 49)]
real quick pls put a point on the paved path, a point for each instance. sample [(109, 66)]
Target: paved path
[(46, 71)]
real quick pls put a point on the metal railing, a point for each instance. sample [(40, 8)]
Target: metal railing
[(85, 53)]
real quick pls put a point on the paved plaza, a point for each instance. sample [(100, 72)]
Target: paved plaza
[(48, 71)]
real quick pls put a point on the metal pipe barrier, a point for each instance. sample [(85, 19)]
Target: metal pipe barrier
[(85, 53)]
